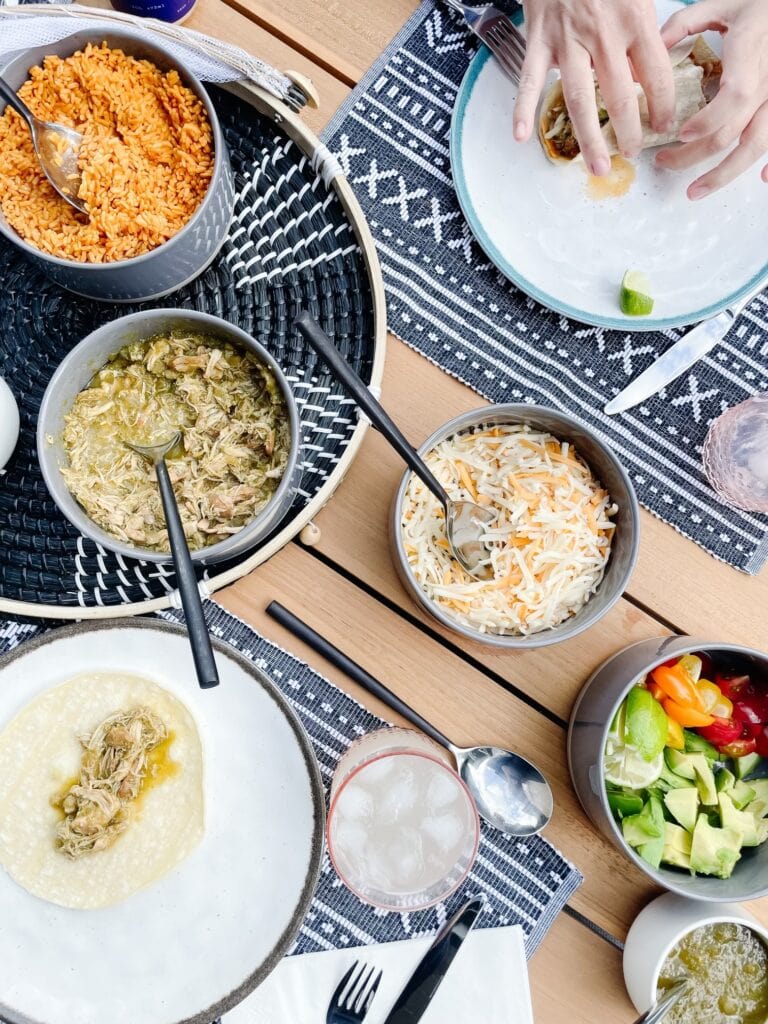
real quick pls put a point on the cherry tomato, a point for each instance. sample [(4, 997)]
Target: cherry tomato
[(734, 687), (722, 732), (689, 717), (761, 743), (715, 703), (678, 686), (740, 748), (751, 730)]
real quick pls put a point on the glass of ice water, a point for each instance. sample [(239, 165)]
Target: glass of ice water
[(735, 455), (403, 830)]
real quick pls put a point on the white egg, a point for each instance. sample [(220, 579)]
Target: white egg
[(9, 423)]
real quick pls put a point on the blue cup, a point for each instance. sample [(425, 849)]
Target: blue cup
[(164, 10)]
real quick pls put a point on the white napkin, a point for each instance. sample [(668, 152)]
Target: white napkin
[(210, 59), (488, 981)]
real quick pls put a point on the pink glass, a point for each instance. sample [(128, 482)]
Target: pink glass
[(735, 455), (403, 830)]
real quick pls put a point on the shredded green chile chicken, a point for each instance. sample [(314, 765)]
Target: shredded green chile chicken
[(112, 770), (236, 437)]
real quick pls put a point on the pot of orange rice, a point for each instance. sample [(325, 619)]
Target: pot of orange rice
[(156, 176)]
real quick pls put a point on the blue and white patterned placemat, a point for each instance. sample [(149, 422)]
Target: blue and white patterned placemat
[(527, 882), (447, 301)]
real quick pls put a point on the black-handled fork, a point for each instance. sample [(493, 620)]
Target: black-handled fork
[(353, 997)]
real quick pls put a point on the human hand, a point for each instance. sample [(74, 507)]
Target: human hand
[(739, 112), (620, 38)]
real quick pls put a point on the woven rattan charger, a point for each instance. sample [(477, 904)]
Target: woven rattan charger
[(298, 238)]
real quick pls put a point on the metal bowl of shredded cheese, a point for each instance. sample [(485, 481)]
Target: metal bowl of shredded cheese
[(564, 542), (142, 378)]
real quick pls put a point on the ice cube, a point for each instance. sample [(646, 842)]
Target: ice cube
[(398, 798), (377, 869), (445, 830), (378, 770), (442, 791), (356, 803), (349, 840), (406, 859)]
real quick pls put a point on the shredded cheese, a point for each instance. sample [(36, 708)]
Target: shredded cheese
[(548, 546)]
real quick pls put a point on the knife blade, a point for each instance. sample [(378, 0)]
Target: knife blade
[(679, 357), (413, 1001)]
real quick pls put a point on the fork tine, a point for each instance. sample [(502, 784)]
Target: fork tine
[(511, 69), (501, 49), (510, 31), (508, 44), (354, 995), (371, 993), (336, 998)]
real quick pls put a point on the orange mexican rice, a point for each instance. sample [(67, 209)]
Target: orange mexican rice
[(146, 159)]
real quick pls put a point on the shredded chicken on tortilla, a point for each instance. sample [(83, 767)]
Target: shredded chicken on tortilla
[(236, 437), (113, 767)]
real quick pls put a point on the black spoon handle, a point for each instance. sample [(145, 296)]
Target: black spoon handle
[(355, 672), (200, 641), (9, 95), (373, 409)]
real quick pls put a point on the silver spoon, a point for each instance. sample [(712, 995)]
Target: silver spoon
[(464, 520), (57, 149), (661, 1008), (200, 641), (510, 793)]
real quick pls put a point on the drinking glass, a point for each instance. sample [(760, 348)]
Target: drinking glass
[(403, 830), (735, 455)]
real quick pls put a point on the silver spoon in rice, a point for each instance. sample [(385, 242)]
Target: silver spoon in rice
[(465, 521), (57, 149), (199, 640)]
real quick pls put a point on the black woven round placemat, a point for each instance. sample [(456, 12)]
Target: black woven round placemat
[(291, 246)]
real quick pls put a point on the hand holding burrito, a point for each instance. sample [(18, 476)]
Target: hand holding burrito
[(739, 112), (620, 38)]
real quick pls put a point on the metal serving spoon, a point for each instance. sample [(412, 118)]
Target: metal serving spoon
[(509, 792), (200, 641), (464, 520), (57, 149), (660, 1009)]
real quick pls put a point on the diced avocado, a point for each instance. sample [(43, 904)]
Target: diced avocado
[(714, 851), (683, 805), (638, 829), (652, 851), (671, 780), (623, 803), (680, 763), (744, 765), (724, 781), (760, 786), (758, 808), (695, 744), (696, 768), (739, 821), (742, 793), (677, 846)]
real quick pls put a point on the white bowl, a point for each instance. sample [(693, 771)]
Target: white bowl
[(657, 930)]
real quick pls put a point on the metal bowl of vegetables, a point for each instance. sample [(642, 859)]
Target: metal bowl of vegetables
[(564, 542), (668, 753), (141, 378)]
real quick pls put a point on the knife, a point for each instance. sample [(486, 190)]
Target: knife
[(679, 357), (413, 1001)]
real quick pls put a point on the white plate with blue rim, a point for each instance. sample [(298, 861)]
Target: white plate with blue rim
[(541, 227)]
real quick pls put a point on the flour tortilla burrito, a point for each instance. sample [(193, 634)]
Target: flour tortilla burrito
[(40, 758), (696, 70)]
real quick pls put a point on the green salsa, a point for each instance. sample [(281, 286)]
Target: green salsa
[(727, 967)]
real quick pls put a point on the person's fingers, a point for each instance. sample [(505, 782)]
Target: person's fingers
[(689, 21), (734, 103), (620, 94), (653, 71), (678, 158), (532, 77), (753, 144), (579, 91), (764, 174)]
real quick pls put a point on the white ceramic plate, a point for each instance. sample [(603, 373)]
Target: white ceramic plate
[(538, 225), (196, 942)]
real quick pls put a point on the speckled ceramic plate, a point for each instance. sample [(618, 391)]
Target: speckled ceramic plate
[(541, 228), (195, 943)]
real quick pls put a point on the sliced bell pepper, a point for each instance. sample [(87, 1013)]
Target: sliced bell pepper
[(675, 737), (656, 691), (678, 686), (715, 703), (687, 716)]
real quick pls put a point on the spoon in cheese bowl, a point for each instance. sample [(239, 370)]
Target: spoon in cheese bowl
[(465, 521), (200, 641)]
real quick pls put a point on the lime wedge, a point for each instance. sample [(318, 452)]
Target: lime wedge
[(625, 766), (646, 727), (634, 297)]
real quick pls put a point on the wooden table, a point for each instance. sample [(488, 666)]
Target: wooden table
[(347, 589)]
